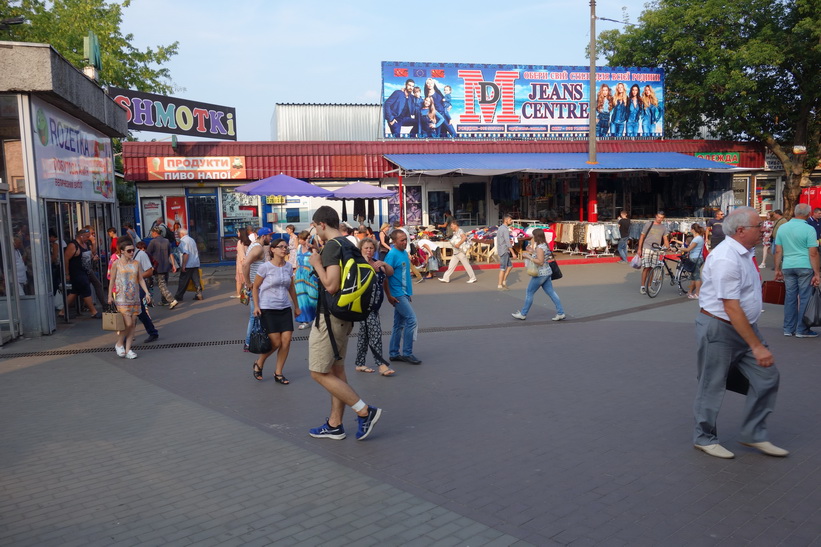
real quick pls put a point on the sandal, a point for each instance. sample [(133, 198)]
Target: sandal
[(280, 379), (363, 368), (257, 372), (388, 372)]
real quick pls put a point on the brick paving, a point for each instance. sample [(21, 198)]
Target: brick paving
[(509, 433)]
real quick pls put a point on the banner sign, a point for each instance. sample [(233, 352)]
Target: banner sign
[(72, 161), (200, 169), (518, 101), (163, 114), (175, 211)]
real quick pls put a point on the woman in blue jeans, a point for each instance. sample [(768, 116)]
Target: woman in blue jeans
[(540, 258)]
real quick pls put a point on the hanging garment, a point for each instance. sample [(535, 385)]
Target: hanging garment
[(359, 210), (344, 210), (371, 214)]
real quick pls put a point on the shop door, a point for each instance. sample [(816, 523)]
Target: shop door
[(63, 219), (202, 225), (438, 203), (10, 327)]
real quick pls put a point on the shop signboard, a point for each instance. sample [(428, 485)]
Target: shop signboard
[(163, 114), (73, 161), (196, 168), (730, 158), (516, 101)]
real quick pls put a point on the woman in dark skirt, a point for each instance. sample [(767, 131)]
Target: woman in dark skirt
[(273, 294)]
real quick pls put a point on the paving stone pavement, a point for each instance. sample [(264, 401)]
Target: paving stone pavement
[(509, 433)]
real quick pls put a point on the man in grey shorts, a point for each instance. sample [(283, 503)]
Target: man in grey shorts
[(504, 249), (653, 232), (325, 369)]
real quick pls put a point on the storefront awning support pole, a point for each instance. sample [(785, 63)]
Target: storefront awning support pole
[(401, 202), (592, 189)]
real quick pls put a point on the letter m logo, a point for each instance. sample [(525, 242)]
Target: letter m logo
[(487, 95)]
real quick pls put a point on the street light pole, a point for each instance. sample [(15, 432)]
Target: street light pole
[(592, 182)]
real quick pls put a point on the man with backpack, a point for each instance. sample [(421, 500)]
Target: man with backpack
[(326, 357)]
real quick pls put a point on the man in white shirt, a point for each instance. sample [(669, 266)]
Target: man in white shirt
[(728, 337), (189, 266), (504, 248), (142, 257)]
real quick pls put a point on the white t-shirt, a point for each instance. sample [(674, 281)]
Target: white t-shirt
[(422, 242), (142, 257)]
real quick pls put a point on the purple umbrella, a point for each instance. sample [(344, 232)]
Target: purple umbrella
[(282, 185), (362, 190)]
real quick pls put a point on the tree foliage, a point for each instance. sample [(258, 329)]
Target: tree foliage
[(64, 24), (746, 70)]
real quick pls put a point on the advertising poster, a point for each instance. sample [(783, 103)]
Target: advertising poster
[(151, 211), (429, 100), (73, 161), (175, 211)]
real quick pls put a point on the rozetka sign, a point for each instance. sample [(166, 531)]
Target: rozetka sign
[(198, 169)]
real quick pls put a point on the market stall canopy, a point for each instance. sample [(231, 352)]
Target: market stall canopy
[(282, 185), (361, 190), (501, 164)]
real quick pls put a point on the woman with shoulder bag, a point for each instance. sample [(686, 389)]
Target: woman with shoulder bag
[(273, 288), (542, 279)]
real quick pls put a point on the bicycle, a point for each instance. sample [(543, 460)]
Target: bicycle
[(681, 277)]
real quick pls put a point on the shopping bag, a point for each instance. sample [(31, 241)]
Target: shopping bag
[(531, 268), (244, 295), (259, 342), (191, 287), (635, 262), (773, 292), (112, 319), (812, 315)]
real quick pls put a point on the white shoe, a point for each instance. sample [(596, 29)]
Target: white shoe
[(518, 315), (762, 266), (130, 355), (474, 280), (768, 448), (173, 305), (643, 290), (499, 288), (120, 350), (444, 280), (716, 450), (559, 317)]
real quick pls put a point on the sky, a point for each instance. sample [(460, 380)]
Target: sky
[(252, 54)]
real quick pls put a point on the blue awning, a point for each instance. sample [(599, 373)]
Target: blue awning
[(500, 164)]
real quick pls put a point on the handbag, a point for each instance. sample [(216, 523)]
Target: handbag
[(259, 342), (773, 292), (554, 268), (635, 262), (112, 319), (531, 268), (812, 315), (687, 264), (243, 296)]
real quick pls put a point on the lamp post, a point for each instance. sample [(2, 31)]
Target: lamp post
[(592, 182)]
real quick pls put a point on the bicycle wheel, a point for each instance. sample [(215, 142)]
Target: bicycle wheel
[(683, 280), (654, 281)]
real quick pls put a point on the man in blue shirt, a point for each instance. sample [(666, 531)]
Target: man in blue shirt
[(797, 263), (399, 290), (189, 268)]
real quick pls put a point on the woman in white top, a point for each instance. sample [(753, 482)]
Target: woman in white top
[(273, 288), (460, 244), (695, 252), (543, 280)]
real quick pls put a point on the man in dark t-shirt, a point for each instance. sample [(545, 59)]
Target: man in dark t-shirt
[(624, 231), (715, 229), (325, 369)]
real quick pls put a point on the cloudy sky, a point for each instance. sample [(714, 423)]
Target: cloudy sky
[(252, 54)]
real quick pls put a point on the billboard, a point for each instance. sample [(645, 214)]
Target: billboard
[(162, 114), (72, 160), (430, 100)]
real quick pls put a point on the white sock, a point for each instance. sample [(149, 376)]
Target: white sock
[(359, 405)]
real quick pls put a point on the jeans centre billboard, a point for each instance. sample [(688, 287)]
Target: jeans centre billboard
[(429, 100)]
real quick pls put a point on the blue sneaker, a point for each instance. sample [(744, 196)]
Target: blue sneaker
[(325, 431), (808, 334), (366, 424)]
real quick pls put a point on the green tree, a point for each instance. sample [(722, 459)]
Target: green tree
[(746, 70), (64, 24)]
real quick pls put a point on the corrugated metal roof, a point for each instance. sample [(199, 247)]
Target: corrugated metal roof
[(365, 160), (315, 122)]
